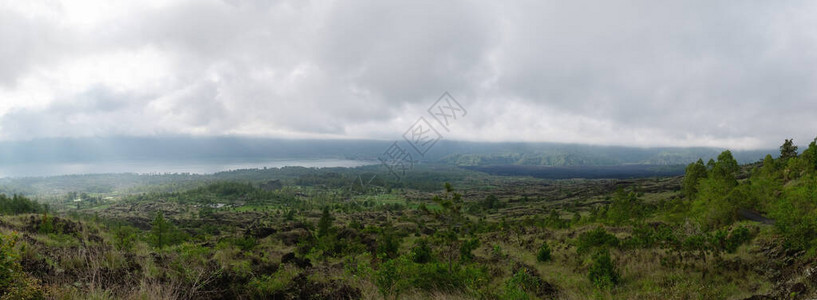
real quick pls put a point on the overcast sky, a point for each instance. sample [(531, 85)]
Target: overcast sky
[(738, 74)]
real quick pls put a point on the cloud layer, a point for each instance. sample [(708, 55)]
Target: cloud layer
[(688, 73)]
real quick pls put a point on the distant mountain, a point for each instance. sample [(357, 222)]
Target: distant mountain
[(90, 150)]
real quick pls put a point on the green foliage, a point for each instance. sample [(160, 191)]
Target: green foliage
[(9, 261), (46, 225), (325, 222), (520, 285), (810, 154), (603, 273), (388, 243), (124, 237), (737, 237), (693, 174), (788, 150), (554, 220), (492, 202), (646, 236), (625, 207), (799, 230), (390, 279), (421, 252), (453, 224), (14, 283), (19, 204), (718, 199), (543, 254), (269, 286), (466, 249), (597, 238), (245, 243), (397, 275), (163, 233)]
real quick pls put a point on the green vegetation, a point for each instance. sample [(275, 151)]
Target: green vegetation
[(723, 231)]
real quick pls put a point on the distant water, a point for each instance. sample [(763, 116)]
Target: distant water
[(153, 167)]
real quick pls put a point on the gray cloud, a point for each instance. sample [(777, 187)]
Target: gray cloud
[(623, 72)]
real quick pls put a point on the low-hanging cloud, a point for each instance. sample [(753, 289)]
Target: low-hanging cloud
[(644, 73)]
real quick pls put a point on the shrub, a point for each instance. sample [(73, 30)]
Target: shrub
[(518, 285), (47, 225), (396, 275), (266, 286), (597, 238), (497, 253), (603, 273), (737, 237), (421, 252), (14, 283), (388, 243), (544, 253), (466, 249), (9, 264), (125, 237), (389, 279), (164, 233), (246, 243)]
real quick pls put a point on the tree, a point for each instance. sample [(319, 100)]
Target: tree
[(810, 154), (718, 199), (466, 249), (544, 253), (325, 223), (603, 273), (491, 202), (726, 168), (163, 232), (788, 150), (453, 223), (625, 207), (694, 172), (124, 237), (421, 252)]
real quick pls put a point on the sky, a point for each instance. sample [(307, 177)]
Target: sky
[(735, 74)]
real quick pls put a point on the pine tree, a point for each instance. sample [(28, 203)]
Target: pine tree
[(788, 150), (160, 230), (325, 223)]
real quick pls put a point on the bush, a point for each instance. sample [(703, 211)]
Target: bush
[(125, 237), (467, 248), (388, 243), (14, 283), (9, 264), (266, 286), (603, 273), (246, 243), (737, 237), (544, 253), (396, 275), (519, 284), (421, 252), (597, 238)]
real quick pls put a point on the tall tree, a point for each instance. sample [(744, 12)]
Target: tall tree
[(725, 170), (788, 150), (810, 154), (325, 223), (160, 230), (453, 223), (694, 172)]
